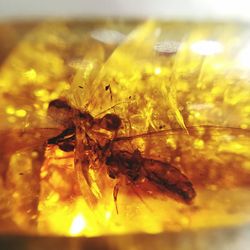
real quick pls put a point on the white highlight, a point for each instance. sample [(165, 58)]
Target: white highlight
[(244, 57), (108, 36), (207, 47), (78, 225)]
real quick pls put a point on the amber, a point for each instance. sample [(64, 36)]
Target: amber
[(188, 80)]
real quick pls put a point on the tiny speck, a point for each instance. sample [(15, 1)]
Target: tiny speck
[(20, 173), (81, 87), (107, 87)]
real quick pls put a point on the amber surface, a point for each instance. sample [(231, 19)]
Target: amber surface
[(188, 78)]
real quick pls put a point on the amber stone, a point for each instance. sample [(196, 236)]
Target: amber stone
[(183, 88)]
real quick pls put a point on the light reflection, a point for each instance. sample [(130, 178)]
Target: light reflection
[(167, 47), (108, 215), (108, 36), (157, 70), (78, 225), (21, 113), (207, 47), (10, 110), (244, 57)]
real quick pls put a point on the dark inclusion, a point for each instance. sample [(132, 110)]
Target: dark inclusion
[(65, 140), (60, 104)]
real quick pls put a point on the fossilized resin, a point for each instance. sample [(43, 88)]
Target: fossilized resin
[(161, 76)]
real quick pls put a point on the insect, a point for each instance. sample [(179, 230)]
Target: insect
[(82, 134)]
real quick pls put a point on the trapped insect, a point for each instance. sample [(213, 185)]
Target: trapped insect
[(85, 135)]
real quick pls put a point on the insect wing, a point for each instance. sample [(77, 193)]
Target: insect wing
[(207, 155), (127, 80), (85, 87), (33, 74), (91, 170)]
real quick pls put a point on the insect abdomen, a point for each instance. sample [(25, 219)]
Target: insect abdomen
[(170, 179)]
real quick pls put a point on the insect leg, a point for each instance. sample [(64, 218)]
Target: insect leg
[(115, 194)]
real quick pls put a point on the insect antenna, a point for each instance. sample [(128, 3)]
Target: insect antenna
[(176, 130), (147, 134)]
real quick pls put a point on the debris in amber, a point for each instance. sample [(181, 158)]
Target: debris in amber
[(181, 92)]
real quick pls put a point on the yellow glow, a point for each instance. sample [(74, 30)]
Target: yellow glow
[(207, 48), (199, 144), (157, 70), (78, 225), (31, 74), (41, 92), (21, 113), (10, 110), (108, 215)]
